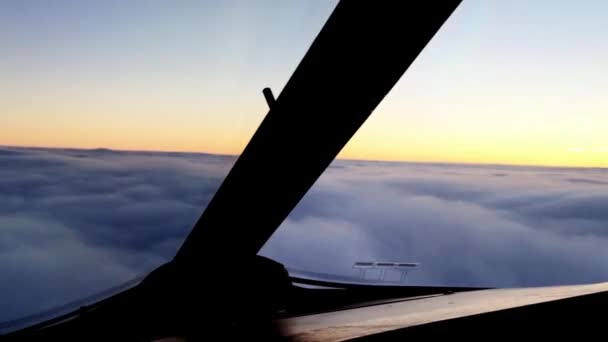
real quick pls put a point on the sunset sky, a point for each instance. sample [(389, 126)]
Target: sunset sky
[(511, 82)]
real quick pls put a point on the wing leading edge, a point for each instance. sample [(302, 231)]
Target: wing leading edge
[(520, 312)]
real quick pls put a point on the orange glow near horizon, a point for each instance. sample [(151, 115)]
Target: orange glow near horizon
[(482, 91), (372, 142)]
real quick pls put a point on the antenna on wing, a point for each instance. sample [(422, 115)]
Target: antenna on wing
[(269, 97)]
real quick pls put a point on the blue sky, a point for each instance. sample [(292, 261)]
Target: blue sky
[(514, 82), (508, 82)]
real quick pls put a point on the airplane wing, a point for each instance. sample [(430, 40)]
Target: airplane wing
[(358, 56), (483, 314)]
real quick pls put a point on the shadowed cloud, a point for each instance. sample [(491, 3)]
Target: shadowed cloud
[(75, 222)]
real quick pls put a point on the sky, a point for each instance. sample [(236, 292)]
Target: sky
[(76, 222), (507, 82)]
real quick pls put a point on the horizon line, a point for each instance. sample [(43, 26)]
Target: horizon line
[(337, 158)]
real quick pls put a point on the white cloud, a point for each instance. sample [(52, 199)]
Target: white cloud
[(76, 222)]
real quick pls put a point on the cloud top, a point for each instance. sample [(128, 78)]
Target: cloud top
[(75, 222)]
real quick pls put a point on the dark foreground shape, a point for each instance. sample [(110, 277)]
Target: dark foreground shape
[(358, 56), (582, 318)]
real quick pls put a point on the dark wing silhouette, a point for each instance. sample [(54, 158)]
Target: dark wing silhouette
[(361, 52), (547, 312), (359, 55)]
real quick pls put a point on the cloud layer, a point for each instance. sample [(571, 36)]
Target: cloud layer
[(466, 225), (75, 222)]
